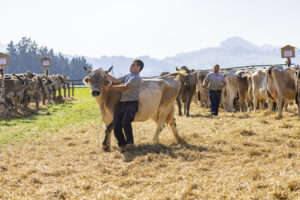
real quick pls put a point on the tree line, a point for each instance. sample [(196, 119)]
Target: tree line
[(26, 54)]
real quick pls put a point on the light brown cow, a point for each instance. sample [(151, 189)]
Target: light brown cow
[(204, 97), (284, 81), (297, 86), (156, 101)]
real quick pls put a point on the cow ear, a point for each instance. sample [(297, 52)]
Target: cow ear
[(107, 81), (177, 69), (86, 80), (192, 70)]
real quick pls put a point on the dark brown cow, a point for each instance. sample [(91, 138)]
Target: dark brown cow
[(187, 90)]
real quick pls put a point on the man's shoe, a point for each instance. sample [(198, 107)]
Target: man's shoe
[(127, 147)]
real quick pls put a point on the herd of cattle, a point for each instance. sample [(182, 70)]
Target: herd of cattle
[(246, 89), (21, 89)]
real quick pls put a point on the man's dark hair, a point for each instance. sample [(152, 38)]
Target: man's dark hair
[(139, 63)]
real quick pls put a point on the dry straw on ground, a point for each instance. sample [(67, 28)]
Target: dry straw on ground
[(232, 156)]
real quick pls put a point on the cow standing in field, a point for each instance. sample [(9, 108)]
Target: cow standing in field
[(257, 91), (15, 87), (202, 92), (231, 89), (297, 86), (156, 101), (243, 91), (284, 81), (187, 90)]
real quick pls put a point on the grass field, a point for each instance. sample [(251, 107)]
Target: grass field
[(54, 155)]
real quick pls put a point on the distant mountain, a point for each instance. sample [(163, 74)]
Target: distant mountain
[(232, 52)]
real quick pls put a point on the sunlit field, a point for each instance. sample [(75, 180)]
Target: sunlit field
[(55, 155)]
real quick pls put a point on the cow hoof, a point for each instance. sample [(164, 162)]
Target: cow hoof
[(106, 148), (181, 141), (278, 117), (155, 142)]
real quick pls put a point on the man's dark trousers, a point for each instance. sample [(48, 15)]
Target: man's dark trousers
[(123, 116), (215, 98)]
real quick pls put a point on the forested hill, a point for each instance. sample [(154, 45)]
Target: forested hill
[(25, 56)]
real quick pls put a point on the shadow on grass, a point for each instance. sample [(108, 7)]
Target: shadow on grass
[(145, 149), (199, 115)]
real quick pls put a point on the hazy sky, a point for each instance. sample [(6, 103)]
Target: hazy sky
[(158, 28)]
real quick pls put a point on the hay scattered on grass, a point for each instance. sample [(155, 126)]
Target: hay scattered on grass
[(232, 156)]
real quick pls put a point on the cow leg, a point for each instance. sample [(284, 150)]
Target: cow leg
[(160, 126), (179, 106), (280, 106), (107, 139), (44, 96), (188, 105), (54, 93), (262, 105), (241, 104), (36, 103), (59, 92), (173, 126), (73, 88), (255, 104), (185, 108), (65, 92), (48, 94), (69, 92), (195, 98), (285, 104), (298, 108)]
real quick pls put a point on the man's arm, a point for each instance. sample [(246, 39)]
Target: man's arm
[(118, 88), (113, 79), (224, 82), (205, 82)]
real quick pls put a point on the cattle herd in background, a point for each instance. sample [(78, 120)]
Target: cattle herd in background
[(22, 89), (272, 88)]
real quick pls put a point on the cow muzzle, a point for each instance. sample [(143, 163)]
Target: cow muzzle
[(95, 93)]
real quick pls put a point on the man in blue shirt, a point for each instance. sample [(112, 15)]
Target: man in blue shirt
[(215, 82), (125, 111)]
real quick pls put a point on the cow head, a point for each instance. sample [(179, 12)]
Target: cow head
[(201, 76), (186, 80), (97, 79)]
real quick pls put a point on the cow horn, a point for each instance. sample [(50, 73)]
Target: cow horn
[(87, 70), (107, 71)]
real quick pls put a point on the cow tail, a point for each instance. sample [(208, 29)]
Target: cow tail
[(269, 95)]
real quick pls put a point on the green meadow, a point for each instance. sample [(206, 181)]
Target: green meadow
[(80, 111)]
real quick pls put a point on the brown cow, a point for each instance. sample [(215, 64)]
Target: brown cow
[(285, 90), (187, 90), (156, 101)]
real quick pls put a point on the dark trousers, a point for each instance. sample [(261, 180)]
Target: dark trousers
[(215, 98), (123, 116)]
